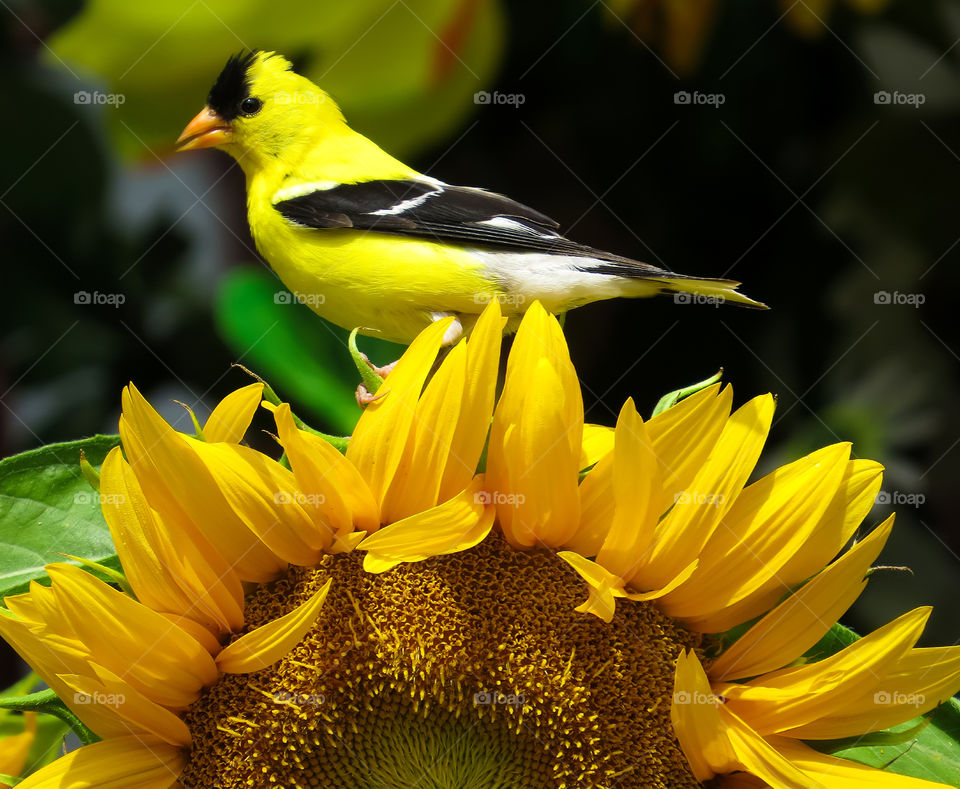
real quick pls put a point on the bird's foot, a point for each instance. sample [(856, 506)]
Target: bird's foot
[(363, 395)]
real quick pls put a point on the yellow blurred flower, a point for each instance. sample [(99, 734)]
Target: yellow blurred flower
[(391, 616)]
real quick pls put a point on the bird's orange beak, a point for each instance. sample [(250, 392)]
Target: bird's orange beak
[(204, 131)]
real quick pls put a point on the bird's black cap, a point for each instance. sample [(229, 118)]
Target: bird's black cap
[(232, 86)]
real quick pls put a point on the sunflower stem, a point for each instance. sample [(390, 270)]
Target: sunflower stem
[(49, 703)]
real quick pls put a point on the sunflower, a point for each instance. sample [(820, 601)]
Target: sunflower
[(392, 618)]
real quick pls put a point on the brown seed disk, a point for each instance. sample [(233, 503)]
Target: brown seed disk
[(470, 671)]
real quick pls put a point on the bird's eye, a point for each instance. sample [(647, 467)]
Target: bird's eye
[(250, 105)]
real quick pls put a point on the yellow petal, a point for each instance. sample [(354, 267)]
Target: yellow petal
[(853, 500), (597, 442), (191, 580), (232, 416), (160, 660), (536, 438), (835, 773), (15, 748), (763, 529), (698, 511), (263, 496), (416, 484), (476, 406), (694, 712), (604, 587), (131, 707), (117, 763), (682, 437), (596, 508), (638, 496), (264, 646), (804, 618), (921, 680), (49, 660), (177, 484), (793, 697), (378, 442), (456, 525), (326, 477), (685, 435)]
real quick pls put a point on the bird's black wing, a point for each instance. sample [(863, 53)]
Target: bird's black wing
[(436, 211)]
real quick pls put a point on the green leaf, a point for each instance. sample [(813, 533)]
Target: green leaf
[(48, 508), (303, 355), (932, 753)]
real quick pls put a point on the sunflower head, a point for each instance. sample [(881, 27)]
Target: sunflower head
[(408, 614)]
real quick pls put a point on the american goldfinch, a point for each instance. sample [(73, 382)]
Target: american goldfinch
[(368, 242)]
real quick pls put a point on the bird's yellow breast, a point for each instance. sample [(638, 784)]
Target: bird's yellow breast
[(386, 284)]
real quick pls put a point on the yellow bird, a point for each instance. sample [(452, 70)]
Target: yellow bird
[(368, 242)]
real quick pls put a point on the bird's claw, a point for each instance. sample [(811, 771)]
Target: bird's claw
[(363, 395), (364, 398)]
